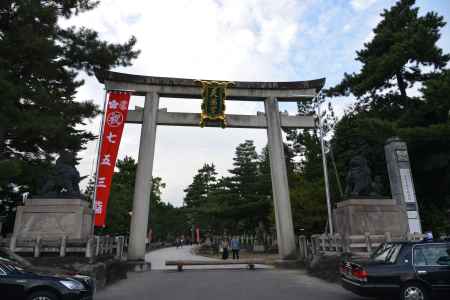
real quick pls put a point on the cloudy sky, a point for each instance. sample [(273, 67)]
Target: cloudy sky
[(253, 40)]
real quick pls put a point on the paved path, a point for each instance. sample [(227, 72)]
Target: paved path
[(219, 284), (158, 258)]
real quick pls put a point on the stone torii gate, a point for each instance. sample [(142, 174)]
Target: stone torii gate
[(150, 116)]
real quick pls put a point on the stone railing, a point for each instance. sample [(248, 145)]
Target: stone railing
[(93, 247), (247, 241), (360, 245)]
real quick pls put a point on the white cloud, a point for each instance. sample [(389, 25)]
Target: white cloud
[(362, 4), (231, 40), (347, 27)]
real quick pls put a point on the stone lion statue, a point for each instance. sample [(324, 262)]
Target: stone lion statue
[(358, 180), (64, 180)]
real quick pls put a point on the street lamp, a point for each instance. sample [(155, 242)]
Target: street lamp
[(325, 170)]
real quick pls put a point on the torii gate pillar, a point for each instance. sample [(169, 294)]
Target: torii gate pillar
[(280, 188), (143, 182)]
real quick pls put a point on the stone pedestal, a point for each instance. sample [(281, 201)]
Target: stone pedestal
[(374, 216), (53, 218)]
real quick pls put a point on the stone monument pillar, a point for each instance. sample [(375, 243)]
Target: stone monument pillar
[(400, 178)]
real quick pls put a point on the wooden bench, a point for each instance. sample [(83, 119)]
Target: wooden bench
[(180, 263)]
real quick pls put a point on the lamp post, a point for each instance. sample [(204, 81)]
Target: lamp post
[(325, 170)]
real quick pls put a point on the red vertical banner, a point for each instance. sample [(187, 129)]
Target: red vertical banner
[(114, 121), (197, 235), (150, 235)]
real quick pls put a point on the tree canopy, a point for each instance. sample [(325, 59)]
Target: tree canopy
[(40, 67), (403, 56), (40, 63), (403, 44), (165, 221)]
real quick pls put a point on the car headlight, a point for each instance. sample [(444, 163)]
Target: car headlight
[(72, 284)]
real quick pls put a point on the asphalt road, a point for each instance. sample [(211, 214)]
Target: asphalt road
[(218, 284)]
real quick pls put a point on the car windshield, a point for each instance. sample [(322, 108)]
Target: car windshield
[(387, 253), (10, 267), (8, 255)]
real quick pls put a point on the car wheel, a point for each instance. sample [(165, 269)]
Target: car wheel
[(42, 295), (414, 291)]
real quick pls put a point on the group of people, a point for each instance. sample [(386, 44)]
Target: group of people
[(233, 244), (180, 241)]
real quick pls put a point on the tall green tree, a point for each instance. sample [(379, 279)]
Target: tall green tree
[(165, 220), (264, 176), (403, 54), (198, 205), (40, 64), (428, 138), (245, 167), (197, 191), (120, 205), (403, 44), (251, 204), (306, 185), (235, 203)]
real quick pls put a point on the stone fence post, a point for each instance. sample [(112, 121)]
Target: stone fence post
[(303, 247), (97, 245), (62, 248), (368, 242), (37, 247), (12, 243), (90, 247), (119, 247), (388, 236)]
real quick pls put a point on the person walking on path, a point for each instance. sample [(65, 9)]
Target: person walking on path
[(235, 247), (225, 249)]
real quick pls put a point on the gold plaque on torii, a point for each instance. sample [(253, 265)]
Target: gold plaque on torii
[(213, 104)]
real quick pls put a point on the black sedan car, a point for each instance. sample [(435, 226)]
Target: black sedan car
[(411, 270), (18, 282)]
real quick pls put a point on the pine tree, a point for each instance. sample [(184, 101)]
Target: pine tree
[(165, 220), (264, 173), (197, 192), (403, 53), (250, 204), (120, 203), (245, 167), (404, 43), (39, 67), (199, 207)]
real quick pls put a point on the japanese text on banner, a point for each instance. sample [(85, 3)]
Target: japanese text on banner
[(114, 121)]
